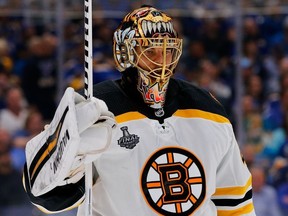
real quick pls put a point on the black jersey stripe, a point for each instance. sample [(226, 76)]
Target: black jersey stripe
[(233, 202)]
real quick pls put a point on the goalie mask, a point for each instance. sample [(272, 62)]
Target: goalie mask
[(147, 41)]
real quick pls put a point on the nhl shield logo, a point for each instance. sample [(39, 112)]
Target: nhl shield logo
[(128, 140)]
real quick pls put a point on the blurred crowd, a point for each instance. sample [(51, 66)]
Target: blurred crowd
[(29, 81)]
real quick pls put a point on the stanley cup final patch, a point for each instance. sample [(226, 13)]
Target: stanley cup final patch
[(173, 182), (128, 140)]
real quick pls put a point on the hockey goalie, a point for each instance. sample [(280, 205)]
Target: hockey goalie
[(158, 145)]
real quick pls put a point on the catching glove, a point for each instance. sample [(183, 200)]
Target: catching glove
[(79, 131)]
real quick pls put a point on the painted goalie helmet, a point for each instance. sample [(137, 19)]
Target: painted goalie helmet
[(146, 40)]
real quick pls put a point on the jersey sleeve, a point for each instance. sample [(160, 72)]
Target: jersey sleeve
[(61, 198), (233, 194)]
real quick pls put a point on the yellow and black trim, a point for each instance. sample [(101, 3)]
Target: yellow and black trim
[(233, 202), (129, 116), (195, 113), (234, 206), (243, 210), (187, 113), (46, 151), (233, 191)]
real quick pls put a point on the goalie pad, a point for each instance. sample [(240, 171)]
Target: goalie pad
[(56, 155)]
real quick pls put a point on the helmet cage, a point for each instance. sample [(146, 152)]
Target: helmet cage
[(139, 49)]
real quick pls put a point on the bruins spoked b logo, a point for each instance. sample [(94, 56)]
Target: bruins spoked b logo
[(173, 182)]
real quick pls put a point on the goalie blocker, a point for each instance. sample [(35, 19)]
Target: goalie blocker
[(56, 156)]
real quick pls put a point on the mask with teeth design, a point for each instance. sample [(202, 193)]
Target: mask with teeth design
[(147, 41)]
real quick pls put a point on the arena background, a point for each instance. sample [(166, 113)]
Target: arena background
[(238, 50)]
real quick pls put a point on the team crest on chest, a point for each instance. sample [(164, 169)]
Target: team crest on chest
[(128, 140), (173, 182)]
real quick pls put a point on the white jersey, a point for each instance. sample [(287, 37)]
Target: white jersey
[(188, 163)]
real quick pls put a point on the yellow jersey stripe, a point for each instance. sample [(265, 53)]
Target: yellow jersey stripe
[(187, 113), (239, 211), (194, 113), (241, 190), (129, 116)]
